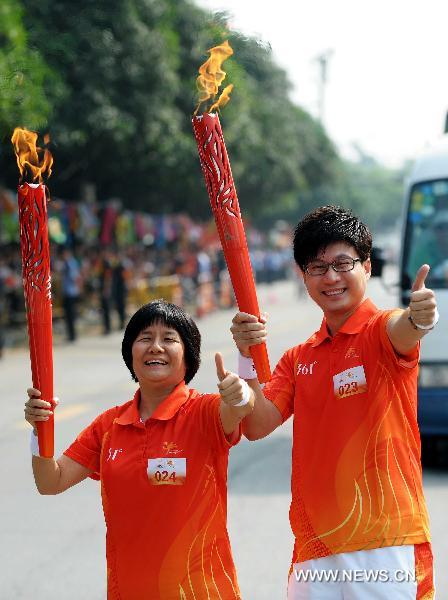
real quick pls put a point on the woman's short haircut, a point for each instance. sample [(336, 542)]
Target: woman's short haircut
[(326, 225), (173, 316)]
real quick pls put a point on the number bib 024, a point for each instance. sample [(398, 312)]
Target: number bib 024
[(167, 471)]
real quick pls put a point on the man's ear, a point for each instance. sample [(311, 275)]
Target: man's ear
[(300, 273)]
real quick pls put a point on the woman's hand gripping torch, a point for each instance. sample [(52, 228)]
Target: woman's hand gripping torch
[(34, 164), (222, 193)]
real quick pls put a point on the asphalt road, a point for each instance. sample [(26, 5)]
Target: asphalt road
[(53, 548)]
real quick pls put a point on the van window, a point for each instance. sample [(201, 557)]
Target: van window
[(426, 239)]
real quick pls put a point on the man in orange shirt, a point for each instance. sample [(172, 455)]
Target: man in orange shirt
[(358, 512), (161, 459)]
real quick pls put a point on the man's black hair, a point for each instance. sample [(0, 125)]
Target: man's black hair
[(173, 316), (326, 225)]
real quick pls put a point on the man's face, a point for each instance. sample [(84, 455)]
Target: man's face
[(339, 293)]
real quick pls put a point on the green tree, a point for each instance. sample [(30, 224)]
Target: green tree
[(22, 74), (375, 192), (122, 105), (113, 120)]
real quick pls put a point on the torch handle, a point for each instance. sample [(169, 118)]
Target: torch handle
[(240, 271), (260, 357), (41, 357)]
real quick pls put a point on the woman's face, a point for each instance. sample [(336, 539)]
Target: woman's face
[(158, 355)]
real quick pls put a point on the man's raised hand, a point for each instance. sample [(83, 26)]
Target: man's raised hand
[(420, 278), (422, 305)]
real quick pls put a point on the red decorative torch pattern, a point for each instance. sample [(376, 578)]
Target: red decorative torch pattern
[(37, 289), (224, 202)]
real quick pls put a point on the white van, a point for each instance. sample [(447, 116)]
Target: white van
[(425, 240)]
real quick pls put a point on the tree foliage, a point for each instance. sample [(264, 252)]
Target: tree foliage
[(121, 98), (22, 73), (374, 192)]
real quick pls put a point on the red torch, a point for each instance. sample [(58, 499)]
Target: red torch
[(35, 163), (222, 193)]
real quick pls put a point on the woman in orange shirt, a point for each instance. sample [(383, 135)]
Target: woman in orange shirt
[(162, 462)]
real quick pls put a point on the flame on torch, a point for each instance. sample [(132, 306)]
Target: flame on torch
[(33, 162), (211, 77)]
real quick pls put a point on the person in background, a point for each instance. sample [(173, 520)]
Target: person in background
[(119, 289), (162, 462), (105, 288), (357, 494), (71, 291)]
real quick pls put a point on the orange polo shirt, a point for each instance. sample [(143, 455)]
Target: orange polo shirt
[(356, 473), (164, 493)]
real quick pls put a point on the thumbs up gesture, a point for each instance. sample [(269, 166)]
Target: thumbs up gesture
[(233, 390), (423, 312)]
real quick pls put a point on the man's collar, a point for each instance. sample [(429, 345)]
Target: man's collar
[(353, 324), (166, 409)]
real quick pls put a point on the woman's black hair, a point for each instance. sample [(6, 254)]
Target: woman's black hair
[(326, 225), (172, 316)]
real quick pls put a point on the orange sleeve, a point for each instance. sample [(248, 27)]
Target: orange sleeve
[(86, 449), (380, 336), (210, 425), (280, 390)]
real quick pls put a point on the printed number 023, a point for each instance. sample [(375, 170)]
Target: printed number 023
[(348, 388)]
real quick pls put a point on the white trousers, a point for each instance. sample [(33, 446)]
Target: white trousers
[(379, 574)]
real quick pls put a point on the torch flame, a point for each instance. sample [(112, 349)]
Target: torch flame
[(32, 161), (223, 99), (211, 77)]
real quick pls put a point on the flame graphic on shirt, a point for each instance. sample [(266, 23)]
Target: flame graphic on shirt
[(384, 501), (170, 448), (206, 572)]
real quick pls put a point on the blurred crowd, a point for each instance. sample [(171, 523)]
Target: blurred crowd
[(97, 282)]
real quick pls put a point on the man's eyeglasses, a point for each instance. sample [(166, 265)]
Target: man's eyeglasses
[(342, 265)]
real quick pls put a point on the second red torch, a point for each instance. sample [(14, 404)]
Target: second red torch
[(35, 251), (224, 201)]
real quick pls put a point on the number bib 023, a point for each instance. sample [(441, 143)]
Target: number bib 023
[(167, 471), (350, 382)]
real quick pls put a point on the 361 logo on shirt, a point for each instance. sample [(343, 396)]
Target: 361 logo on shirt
[(113, 453), (305, 368)]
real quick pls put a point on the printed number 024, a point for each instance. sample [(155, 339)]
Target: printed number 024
[(164, 476)]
